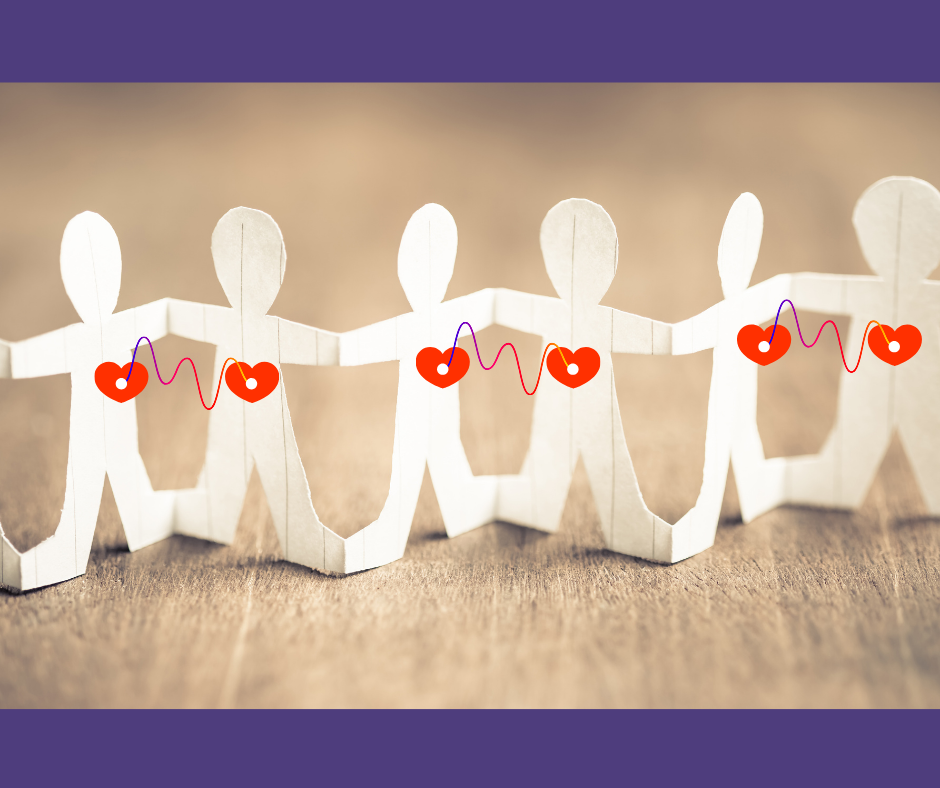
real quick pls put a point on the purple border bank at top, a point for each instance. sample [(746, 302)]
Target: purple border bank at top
[(483, 40)]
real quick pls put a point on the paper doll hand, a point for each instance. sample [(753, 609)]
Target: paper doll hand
[(300, 344), (640, 335), (370, 344), (520, 311), (149, 320), (190, 320), (824, 293), (5, 367), (153, 319), (477, 309), (696, 333)]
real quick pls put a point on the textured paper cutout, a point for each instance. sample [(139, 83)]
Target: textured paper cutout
[(897, 221), (427, 419), (579, 244), (250, 260), (102, 431), (733, 387)]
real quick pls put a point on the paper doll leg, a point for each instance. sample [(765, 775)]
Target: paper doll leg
[(10, 559), (64, 555), (696, 530), (466, 501), (921, 438), (304, 539), (211, 510), (760, 481), (840, 475), (384, 540), (628, 526), (536, 496), (147, 515)]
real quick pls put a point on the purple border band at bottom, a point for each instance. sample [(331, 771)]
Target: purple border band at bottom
[(479, 748)]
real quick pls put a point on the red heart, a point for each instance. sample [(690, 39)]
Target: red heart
[(587, 360), (108, 374), (750, 337), (264, 375), (430, 358), (908, 337)]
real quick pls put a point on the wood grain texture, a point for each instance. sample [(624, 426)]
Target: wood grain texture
[(800, 608)]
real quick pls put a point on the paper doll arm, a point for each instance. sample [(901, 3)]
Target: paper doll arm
[(696, 333), (40, 356), (370, 344), (5, 370), (762, 301), (152, 319), (641, 335), (478, 309), (933, 293), (190, 320), (300, 344), (149, 320), (757, 304), (513, 309), (825, 293)]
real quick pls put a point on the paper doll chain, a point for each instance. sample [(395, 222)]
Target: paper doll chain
[(828, 322), (508, 344), (195, 374)]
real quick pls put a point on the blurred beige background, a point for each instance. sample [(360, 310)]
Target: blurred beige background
[(799, 608)]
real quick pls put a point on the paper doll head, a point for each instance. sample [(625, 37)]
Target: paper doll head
[(90, 262), (740, 244), (249, 255), (579, 244), (426, 256), (897, 221)]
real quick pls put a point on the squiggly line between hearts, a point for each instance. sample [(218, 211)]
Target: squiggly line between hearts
[(508, 344), (195, 374), (828, 322)]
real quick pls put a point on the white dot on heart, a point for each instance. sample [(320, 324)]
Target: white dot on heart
[(572, 369), (121, 384), (764, 346), (251, 384), (894, 346), (442, 369)]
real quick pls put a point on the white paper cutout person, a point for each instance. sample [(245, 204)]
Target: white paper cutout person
[(427, 418), (897, 221), (733, 389), (102, 432), (580, 247), (249, 255)]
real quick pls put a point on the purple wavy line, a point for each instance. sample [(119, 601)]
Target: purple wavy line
[(155, 366), (797, 319), (473, 334)]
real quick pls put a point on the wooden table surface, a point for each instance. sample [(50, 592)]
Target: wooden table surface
[(802, 607)]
